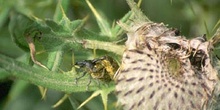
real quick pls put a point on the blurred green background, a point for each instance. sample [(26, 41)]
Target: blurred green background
[(192, 17)]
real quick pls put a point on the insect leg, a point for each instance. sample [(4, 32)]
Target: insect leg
[(76, 79), (90, 80)]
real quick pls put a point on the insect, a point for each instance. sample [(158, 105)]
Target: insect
[(166, 72), (102, 68)]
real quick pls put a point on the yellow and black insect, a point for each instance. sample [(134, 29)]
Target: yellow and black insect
[(102, 68)]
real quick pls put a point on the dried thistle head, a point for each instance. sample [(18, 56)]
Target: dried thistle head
[(164, 71)]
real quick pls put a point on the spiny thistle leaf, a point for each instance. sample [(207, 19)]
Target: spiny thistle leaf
[(61, 8), (137, 12), (104, 94), (102, 22)]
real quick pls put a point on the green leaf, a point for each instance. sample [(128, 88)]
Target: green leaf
[(117, 30), (61, 8), (4, 74), (17, 27), (54, 26), (55, 59), (53, 35), (17, 88), (102, 22), (46, 78), (3, 15)]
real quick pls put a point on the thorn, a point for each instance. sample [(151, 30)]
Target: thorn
[(60, 101), (96, 93)]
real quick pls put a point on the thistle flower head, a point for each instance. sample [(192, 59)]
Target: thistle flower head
[(162, 70)]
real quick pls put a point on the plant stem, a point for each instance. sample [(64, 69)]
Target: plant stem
[(43, 77), (108, 46)]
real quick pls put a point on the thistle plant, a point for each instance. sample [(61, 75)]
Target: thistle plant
[(158, 67)]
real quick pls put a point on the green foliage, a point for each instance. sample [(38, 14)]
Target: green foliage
[(66, 31)]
